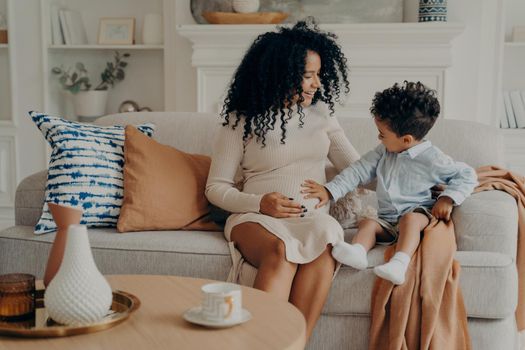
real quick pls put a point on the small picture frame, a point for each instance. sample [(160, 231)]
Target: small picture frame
[(116, 31)]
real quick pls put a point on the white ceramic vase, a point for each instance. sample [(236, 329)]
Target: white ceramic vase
[(245, 6), (78, 294), (90, 103), (152, 32)]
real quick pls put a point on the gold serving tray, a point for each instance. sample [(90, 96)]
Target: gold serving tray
[(41, 326)]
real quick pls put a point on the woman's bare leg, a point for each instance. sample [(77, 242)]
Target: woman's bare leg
[(311, 286), (267, 253)]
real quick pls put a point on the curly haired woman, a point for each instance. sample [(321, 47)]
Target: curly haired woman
[(279, 129)]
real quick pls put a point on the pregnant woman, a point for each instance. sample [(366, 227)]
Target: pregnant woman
[(279, 130)]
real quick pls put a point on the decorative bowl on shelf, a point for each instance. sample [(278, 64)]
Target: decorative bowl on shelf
[(244, 18)]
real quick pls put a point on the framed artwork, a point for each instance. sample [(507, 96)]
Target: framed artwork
[(116, 31)]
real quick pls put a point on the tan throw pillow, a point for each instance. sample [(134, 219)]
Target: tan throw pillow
[(163, 187)]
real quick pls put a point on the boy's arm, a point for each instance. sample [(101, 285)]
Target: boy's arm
[(360, 172), (460, 178)]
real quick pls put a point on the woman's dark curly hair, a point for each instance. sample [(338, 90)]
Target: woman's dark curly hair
[(411, 109), (271, 73)]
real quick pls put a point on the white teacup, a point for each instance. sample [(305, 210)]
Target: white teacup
[(222, 302)]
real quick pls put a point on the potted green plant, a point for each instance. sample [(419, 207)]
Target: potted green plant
[(91, 103)]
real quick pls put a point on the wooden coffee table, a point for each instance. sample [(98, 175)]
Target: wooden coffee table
[(158, 323)]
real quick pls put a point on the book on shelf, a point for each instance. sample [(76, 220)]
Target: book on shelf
[(76, 28), (504, 121), (57, 38), (522, 93), (519, 108), (63, 26), (509, 109), (72, 27)]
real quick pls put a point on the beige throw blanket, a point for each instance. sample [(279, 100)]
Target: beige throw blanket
[(427, 311)]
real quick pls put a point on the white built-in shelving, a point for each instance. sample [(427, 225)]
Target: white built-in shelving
[(147, 69), (513, 78), (8, 165)]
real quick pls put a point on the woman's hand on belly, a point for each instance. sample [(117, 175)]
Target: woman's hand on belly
[(279, 206)]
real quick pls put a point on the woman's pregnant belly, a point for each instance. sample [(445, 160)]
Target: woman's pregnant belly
[(288, 185)]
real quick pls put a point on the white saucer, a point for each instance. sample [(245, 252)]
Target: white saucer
[(194, 315)]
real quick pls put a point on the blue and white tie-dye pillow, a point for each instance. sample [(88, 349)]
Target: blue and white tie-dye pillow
[(85, 169)]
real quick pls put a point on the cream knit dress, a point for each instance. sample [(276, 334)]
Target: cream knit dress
[(281, 168)]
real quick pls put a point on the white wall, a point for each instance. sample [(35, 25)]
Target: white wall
[(186, 75), (25, 39)]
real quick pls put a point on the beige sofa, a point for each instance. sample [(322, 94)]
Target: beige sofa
[(486, 229)]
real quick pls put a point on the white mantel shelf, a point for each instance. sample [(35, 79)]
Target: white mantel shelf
[(379, 54), (428, 42)]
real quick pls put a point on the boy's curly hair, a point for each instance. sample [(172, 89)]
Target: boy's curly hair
[(411, 109), (271, 73)]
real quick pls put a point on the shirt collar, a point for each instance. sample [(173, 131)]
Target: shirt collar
[(414, 151)]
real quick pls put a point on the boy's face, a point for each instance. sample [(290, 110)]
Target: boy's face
[(392, 142)]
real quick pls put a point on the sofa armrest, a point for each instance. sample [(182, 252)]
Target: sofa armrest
[(487, 221), (29, 199)]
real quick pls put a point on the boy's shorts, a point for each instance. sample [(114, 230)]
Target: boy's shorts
[(392, 228)]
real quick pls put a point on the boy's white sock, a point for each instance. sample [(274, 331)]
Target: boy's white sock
[(350, 254), (394, 270)]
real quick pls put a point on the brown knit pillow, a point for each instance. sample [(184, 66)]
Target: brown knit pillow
[(163, 187)]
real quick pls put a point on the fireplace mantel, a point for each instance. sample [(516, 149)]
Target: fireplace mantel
[(379, 55)]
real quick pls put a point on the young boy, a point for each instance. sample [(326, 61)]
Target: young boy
[(406, 167)]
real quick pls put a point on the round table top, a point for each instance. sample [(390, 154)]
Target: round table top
[(158, 323)]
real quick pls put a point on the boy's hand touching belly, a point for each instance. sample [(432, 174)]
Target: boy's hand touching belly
[(316, 190)]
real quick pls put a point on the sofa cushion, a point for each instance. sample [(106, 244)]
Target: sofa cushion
[(487, 221), (202, 254), (163, 187), (488, 280), (85, 169)]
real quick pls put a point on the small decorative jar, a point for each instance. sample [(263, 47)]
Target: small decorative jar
[(17, 296), (432, 10), (3, 29)]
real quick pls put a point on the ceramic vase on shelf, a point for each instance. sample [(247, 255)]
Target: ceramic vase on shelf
[(91, 104), (432, 10), (79, 293), (245, 6), (152, 31), (64, 217)]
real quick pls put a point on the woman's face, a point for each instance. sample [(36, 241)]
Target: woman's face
[(311, 80)]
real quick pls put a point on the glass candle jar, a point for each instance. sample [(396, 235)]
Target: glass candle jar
[(17, 296)]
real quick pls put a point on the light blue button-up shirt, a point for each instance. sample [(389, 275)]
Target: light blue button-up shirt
[(404, 179)]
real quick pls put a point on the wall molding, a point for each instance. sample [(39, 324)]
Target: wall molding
[(379, 54)]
